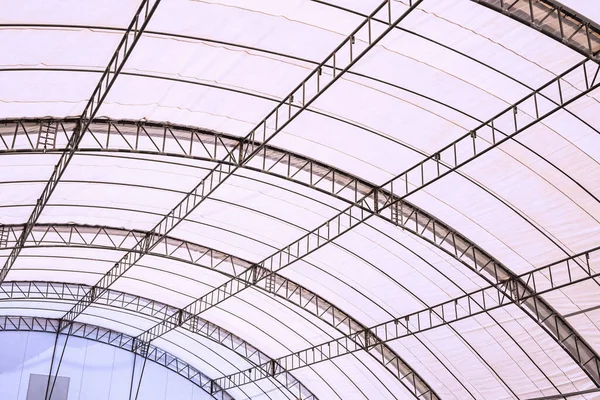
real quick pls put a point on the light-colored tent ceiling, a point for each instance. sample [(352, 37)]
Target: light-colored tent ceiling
[(310, 199)]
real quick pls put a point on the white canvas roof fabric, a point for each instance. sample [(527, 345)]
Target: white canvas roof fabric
[(219, 67)]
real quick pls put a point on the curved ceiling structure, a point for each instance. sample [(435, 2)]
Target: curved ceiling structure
[(107, 336), (309, 199)]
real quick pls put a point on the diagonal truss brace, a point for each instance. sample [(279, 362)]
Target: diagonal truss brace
[(58, 235), (116, 339), (554, 20), (566, 88), (114, 67), (305, 93), (552, 277), (32, 290), (347, 54)]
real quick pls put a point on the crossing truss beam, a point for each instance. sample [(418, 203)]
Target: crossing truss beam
[(337, 63), (48, 137), (318, 81), (72, 292), (385, 200), (530, 285), (72, 236), (112, 338)]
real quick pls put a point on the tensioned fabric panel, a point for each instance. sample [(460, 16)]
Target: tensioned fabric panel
[(223, 65), (21, 180)]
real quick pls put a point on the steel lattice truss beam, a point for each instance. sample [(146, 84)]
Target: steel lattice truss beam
[(418, 218), (112, 338), (566, 88), (170, 140), (397, 215), (99, 237), (555, 20), (188, 141), (139, 305), (58, 235), (114, 67), (318, 81), (531, 285)]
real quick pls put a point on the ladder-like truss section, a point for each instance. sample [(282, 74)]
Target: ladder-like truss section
[(340, 60), (47, 135), (533, 108), (552, 277), (555, 20), (116, 339)]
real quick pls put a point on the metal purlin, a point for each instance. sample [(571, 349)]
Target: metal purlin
[(112, 338)]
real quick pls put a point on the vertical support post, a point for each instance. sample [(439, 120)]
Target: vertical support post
[(52, 374), (136, 379)]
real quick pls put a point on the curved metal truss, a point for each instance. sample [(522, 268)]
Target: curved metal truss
[(73, 292), (385, 202), (183, 141), (112, 338), (132, 34), (58, 235), (547, 279), (554, 20)]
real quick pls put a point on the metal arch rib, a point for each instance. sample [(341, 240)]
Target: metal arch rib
[(318, 81), (35, 290), (437, 156), (547, 279), (112, 338), (384, 200), (415, 216), (149, 137), (306, 93), (57, 235), (134, 31), (554, 20)]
